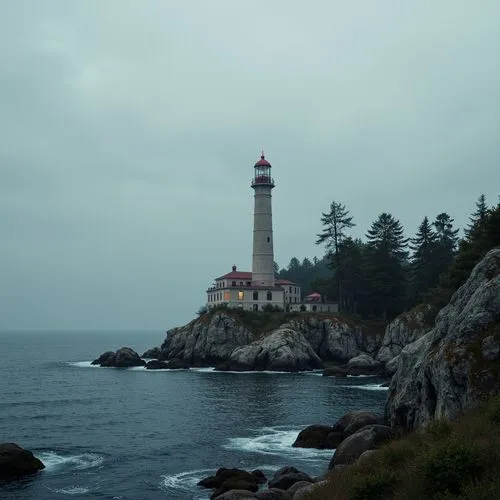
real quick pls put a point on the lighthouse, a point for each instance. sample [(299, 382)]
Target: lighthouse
[(263, 254)]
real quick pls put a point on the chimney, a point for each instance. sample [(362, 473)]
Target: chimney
[(234, 269)]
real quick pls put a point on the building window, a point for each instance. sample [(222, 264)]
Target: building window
[(256, 307), (249, 283), (241, 295), (269, 295), (315, 307), (268, 239), (255, 295), (290, 289), (233, 283), (226, 296), (241, 283)]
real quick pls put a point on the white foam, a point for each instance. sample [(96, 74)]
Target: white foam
[(277, 441), (83, 364), (53, 461), (185, 482), (73, 490), (367, 387)]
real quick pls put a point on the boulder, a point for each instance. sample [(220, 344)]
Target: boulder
[(313, 436), (16, 462), (333, 440), (235, 483), (303, 490), (236, 495), (273, 494), (153, 353), (177, 364), (154, 364), (224, 474), (282, 350), (367, 438), (122, 358), (287, 476), (355, 420), (366, 455), (363, 364), (453, 366), (259, 476)]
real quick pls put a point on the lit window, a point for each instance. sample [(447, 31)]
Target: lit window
[(241, 295), (226, 296), (255, 295), (269, 295)]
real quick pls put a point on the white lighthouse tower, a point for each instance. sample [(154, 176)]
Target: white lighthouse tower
[(263, 254)]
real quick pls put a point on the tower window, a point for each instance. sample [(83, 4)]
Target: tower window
[(255, 295), (241, 295), (268, 239), (269, 295)]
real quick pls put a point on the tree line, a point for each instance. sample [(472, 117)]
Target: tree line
[(387, 272)]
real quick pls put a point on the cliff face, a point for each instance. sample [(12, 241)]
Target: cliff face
[(450, 368), (404, 330), (220, 337)]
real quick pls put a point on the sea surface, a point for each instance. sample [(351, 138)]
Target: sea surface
[(107, 433)]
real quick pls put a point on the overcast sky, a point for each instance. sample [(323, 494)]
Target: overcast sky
[(129, 130)]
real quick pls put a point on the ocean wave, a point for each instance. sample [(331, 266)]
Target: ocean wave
[(277, 441), (83, 364), (54, 461), (185, 482), (367, 387), (73, 490)]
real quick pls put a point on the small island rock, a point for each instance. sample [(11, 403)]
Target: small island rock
[(16, 462), (122, 358)]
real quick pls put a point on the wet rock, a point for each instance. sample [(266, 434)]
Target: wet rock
[(313, 436), (16, 462), (259, 476), (236, 495), (287, 476), (354, 420), (363, 364), (154, 364), (273, 494), (235, 483), (367, 438), (122, 358), (153, 353), (333, 440), (177, 364), (490, 348)]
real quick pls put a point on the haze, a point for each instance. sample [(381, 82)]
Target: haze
[(129, 130)]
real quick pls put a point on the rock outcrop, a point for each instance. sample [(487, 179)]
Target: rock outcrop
[(318, 436), (403, 330), (363, 364), (122, 358), (453, 366), (282, 350), (16, 462), (222, 339), (206, 341)]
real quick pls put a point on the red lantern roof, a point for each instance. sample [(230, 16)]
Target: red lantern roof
[(262, 162)]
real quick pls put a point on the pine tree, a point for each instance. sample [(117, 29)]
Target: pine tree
[(447, 241), (386, 258), (423, 269), (335, 223), (477, 219)]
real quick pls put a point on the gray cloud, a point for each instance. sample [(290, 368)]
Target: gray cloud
[(129, 130)]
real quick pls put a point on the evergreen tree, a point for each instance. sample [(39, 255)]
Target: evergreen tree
[(386, 258), (423, 269), (447, 241), (335, 223), (477, 219), (351, 272)]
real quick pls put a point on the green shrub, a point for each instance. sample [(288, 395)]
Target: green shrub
[(493, 410), (375, 486), (439, 428), (450, 465), (397, 452)]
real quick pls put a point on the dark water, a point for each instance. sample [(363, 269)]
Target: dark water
[(135, 434)]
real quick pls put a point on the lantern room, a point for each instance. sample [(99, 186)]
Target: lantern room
[(262, 173)]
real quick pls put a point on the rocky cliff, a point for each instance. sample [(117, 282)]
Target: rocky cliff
[(300, 342), (453, 366), (403, 330)]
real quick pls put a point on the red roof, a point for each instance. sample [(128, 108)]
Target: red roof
[(313, 295), (285, 282), (262, 162), (237, 275)]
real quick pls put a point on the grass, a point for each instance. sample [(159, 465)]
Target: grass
[(445, 461)]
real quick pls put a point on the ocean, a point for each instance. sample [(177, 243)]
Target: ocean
[(106, 433)]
